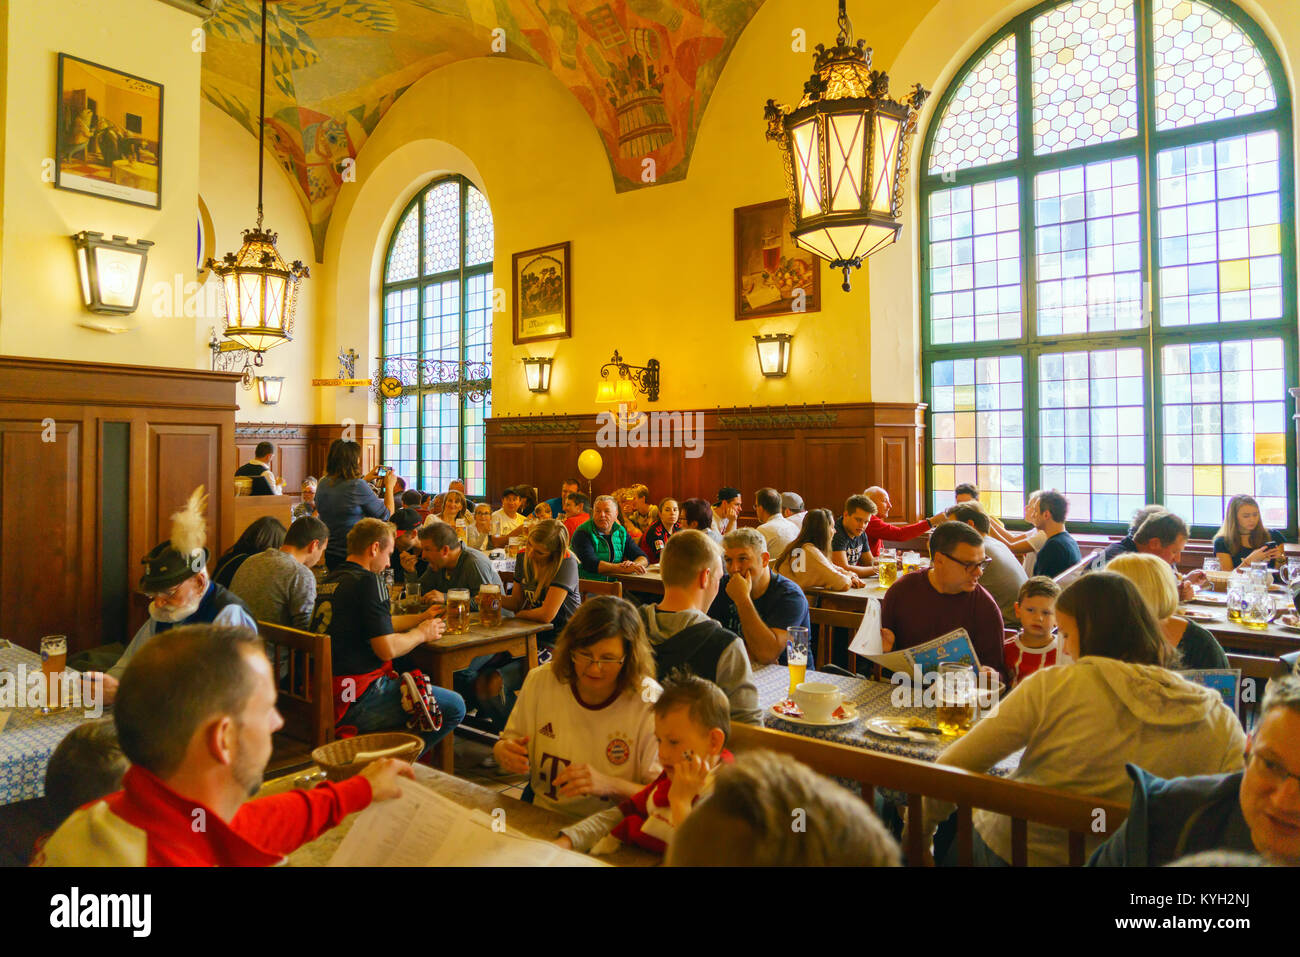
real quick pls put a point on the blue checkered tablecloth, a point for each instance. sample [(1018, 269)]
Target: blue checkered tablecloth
[(28, 737), (872, 699)]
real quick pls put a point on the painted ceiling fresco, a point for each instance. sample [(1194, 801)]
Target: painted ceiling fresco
[(642, 69)]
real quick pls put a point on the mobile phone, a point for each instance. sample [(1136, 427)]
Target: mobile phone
[(381, 471)]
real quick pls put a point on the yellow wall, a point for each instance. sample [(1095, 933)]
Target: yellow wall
[(228, 185), (40, 305), (652, 269)]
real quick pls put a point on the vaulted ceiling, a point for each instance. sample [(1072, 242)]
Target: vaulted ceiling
[(642, 69)]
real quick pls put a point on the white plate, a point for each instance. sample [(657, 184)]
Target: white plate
[(891, 728), (1192, 614), (1210, 598), (849, 709)]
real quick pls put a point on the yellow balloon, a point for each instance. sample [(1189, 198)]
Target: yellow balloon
[(589, 463)]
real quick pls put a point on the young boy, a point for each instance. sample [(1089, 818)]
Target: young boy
[(87, 765), (1035, 647), (542, 511), (692, 723), (477, 535)]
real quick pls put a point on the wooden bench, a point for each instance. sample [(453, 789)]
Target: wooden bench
[(824, 623), (304, 670), (589, 587), (1077, 570), (1025, 804)]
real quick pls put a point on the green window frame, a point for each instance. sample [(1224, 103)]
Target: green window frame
[(436, 337), (1154, 335)]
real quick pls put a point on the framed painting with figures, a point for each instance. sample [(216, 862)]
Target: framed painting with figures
[(770, 269), (543, 305), (108, 133)]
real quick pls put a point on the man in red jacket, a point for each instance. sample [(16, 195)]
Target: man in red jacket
[(879, 530), (195, 713)]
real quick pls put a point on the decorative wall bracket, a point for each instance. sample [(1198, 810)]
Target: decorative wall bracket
[(470, 379), (644, 379), (229, 356)]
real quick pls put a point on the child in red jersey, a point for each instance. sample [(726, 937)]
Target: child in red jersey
[(692, 723), (1036, 646)]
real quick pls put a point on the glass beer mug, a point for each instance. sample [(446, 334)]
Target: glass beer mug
[(1258, 608), (887, 566), (1236, 595), (489, 605), (1290, 575), (796, 657), (54, 656), (956, 698), (458, 611)]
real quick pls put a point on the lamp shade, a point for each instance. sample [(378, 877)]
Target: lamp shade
[(537, 372), (845, 148), (774, 354), (269, 388), (605, 391), (111, 272), (260, 292)]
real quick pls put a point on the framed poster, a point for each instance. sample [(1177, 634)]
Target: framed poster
[(543, 305), (108, 133), (770, 269)]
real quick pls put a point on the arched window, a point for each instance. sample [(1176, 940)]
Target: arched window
[(437, 337), (1108, 276)]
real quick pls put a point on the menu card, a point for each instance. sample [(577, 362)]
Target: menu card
[(1226, 681), (955, 646)]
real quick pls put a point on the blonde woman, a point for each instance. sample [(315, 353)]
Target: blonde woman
[(1243, 539), (1158, 587), (583, 727), (546, 579)]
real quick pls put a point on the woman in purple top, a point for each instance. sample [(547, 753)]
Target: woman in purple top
[(343, 498)]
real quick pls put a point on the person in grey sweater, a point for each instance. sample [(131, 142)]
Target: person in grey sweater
[(682, 634), (277, 584)]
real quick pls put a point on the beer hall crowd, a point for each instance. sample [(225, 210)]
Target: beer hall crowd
[(997, 533)]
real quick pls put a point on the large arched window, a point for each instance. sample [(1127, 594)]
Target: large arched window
[(437, 337), (1108, 265)]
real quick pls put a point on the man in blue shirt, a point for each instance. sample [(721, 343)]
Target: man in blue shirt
[(754, 601), (1060, 552), (567, 487)]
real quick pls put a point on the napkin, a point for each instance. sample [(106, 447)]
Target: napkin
[(867, 641)]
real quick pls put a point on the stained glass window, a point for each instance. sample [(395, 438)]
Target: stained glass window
[(1110, 230), (437, 337), (974, 262), (1085, 85), (978, 429), (1225, 424), (1089, 254), (1220, 231), (984, 130), (1206, 67), (1092, 438)]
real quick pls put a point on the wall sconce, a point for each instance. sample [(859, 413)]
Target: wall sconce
[(269, 388), (537, 370), (629, 381), (111, 271), (774, 354)]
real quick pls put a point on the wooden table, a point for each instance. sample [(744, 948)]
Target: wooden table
[(452, 653), (525, 818), (1274, 640), (854, 599)]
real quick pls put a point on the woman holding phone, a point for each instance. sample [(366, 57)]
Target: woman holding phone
[(343, 497), (1243, 539)]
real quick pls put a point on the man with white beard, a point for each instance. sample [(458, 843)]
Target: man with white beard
[(176, 579)]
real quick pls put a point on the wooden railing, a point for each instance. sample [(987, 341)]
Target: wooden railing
[(1078, 815)]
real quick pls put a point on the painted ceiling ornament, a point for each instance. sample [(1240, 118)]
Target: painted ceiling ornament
[(643, 70)]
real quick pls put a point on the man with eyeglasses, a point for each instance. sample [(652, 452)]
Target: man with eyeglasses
[(929, 603), (1255, 811), (181, 592)]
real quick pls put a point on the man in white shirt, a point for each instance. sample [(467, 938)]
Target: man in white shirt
[(259, 470), (1024, 545), (772, 525), (507, 520), (792, 508)]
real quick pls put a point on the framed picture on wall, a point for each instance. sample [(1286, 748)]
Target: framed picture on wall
[(543, 305), (108, 133), (774, 277)]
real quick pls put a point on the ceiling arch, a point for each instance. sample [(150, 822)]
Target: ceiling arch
[(642, 69)]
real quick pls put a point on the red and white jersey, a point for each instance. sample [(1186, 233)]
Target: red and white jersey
[(1022, 661), (616, 739)]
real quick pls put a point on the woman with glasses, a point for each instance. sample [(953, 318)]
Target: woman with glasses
[(583, 727), (1081, 723)]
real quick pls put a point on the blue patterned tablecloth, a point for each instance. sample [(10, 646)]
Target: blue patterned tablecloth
[(872, 700), (28, 737)]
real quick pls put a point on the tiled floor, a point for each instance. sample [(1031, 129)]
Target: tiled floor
[(470, 754)]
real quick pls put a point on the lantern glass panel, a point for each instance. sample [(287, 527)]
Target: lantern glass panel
[(807, 165), (118, 271), (83, 267), (844, 148), (884, 162)]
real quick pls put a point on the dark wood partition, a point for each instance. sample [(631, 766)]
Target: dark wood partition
[(93, 461), (824, 452), (300, 450)]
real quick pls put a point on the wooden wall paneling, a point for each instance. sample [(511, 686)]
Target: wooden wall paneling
[(716, 466), (765, 461), (41, 498), (835, 468), (550, 457), (292, 466), (181, 458)]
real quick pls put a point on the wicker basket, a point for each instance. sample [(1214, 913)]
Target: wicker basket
[(337, 758)]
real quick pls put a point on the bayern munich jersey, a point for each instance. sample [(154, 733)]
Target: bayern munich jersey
[(617, 740), (1022, 661)]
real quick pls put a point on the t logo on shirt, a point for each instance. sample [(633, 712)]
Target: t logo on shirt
[(557, 765)]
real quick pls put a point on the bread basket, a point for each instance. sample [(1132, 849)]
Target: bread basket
[(339, 759)]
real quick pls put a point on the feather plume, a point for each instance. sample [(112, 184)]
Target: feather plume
[(189, 525)]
